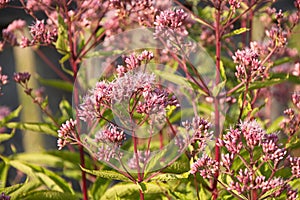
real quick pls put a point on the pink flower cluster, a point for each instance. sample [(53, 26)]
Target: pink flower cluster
[(111, 135), (9, 34), (291, 123), (206, 166), (3, 80), (41, 34), (249, 66), (66, 133)]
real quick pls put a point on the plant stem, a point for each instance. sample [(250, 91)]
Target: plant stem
[(74, 64), (218, 35)]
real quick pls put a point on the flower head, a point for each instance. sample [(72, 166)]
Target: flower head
[(206, 166), (111, 135), (66, 133), (22, 77), (252, 132), (249, 66)]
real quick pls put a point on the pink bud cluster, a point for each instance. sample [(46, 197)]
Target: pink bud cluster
[(22, 77), (10, 33), (134, 61), (4, 111), (206, 166), (41, 34), (234, 4), (291, 123), (249, 66), (111, 135), (3, 80), (130, 81), (200, 133), (143, 157), (66, 133)]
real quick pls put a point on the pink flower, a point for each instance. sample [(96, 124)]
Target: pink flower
[(22, 77), (206, 166), (111, 135), (66, 132)]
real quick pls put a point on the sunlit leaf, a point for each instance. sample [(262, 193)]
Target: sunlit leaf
[(37, 127)]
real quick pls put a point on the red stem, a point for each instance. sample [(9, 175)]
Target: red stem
[(74, 65), (51, 65), (218, 35)]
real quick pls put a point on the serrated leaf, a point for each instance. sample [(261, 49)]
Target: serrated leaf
[(178, 167), (25, 188), (41, 173), (56, 83), (236, 32), (37, 127), (50, 195), (107, 174), (131, 191), (99, 187), (44, 159), (9, 190), (169, 177)]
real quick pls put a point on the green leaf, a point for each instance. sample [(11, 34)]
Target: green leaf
[(3, 174), (177, 167), (37, 127), (151, 165), (275, 125), (56, 83), (44, 159), (216, 90), (100, 31), (131, 191), (12, 115), (107, 174), (6, 136), (281, 61), (50, 195), (62, 43), (236, 32), (27, 187), (222, 71), (169, 176), (47, 177), (9, 190), (99, 187)]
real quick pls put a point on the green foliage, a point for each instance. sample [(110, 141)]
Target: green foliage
[(107, 174), (56, 83), (34, 126)]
